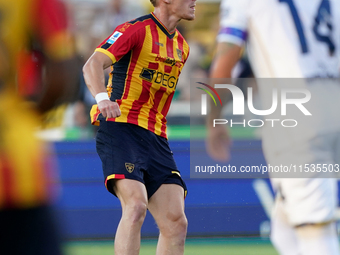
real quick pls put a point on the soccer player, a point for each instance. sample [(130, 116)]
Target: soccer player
[(33, 40), (147, 55), (289, 39)]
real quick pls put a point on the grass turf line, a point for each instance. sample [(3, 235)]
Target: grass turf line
[(216, 246)]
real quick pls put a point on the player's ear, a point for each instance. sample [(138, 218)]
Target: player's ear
[(166, 1)]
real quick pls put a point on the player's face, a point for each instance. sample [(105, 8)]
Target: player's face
[(184, 9)]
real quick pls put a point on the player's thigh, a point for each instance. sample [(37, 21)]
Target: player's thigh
[(162, 168), (167, 204), (130, 191), (123, 152)]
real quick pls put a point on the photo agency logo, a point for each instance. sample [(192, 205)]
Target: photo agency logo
[(238, 103), (204, 97)]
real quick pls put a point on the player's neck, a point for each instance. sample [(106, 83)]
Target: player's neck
[(168, 20)]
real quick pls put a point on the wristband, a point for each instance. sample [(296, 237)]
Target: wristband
[(101, 96)]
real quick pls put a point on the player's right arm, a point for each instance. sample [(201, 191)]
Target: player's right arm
[(112, 49), (230, 42), (95, 80)]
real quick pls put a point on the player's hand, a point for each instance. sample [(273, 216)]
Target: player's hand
[(109, 109), (218, 143)]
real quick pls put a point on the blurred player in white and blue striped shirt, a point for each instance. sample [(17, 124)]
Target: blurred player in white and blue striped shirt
[(290, 39)]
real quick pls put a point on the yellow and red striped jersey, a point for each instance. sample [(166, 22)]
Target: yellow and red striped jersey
[(25, 173), (28, 29), (147, 61), (27, 170)]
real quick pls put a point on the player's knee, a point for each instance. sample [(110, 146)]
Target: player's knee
[(135, 211), (175, 225), (182, 224)]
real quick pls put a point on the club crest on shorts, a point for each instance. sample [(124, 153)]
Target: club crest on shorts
[(179, 54), (129, 167)]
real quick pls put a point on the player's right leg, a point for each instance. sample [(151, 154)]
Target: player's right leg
[(122, 148), (133, 197)]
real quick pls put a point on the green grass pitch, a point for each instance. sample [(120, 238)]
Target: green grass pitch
[(197, 246)]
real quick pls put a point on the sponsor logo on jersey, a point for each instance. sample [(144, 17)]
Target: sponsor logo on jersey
[(167, 60), (159, 78), (114, 37), (147, 74), (159, 44), (129, 167)]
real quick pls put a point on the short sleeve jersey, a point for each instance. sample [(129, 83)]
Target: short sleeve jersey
[(286, 38), (147, 61)]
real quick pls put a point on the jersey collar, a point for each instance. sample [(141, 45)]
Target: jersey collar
[(162, 27)]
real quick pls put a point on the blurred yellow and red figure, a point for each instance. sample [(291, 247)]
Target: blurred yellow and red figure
[(36, 63)]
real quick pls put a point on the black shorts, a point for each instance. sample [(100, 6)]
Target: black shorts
[(128, 151)]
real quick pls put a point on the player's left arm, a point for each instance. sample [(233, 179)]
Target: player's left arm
[(226, 56), (218, 139), (230, 41)]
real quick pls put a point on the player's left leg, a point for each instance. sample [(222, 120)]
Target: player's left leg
[(167, 207)]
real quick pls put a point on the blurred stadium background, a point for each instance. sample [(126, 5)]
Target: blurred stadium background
[(226, 216)]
